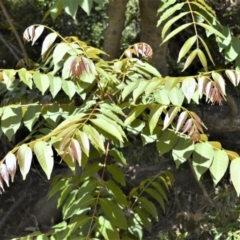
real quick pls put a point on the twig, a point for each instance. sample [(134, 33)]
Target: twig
[(201, 186), (13, 29), (15, 205), (9, 47)]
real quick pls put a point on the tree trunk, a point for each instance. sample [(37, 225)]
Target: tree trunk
[(113, 32), (151, 34)]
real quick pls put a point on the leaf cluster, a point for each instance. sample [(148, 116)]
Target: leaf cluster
[(117, 98)]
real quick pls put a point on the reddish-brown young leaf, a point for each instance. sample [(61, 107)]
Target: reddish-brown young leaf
[(181, 120), (76, 150), (135, 46), (11, 164), (81, 65), (1, 185), (198, 119), (202, 82), (209, 88), (187, 125), (4, 173), (220, 82), (28, 34)]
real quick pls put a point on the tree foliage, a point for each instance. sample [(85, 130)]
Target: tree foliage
[(84, 107)]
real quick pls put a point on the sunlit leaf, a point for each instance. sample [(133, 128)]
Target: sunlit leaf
[(219, 165), (171, 114), (166, 141), (37, 33), (181, 120), (235, 174), (114, 212), (4, 173), (24, 157), (202, 158), (44, 154), (186, 47), (189, 60), (48, 41), (11, 164), (188, 87)]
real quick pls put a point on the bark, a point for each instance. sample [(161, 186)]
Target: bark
[(151, 34), (113, 32)]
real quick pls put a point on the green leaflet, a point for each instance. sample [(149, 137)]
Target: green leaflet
[(143, 218), (154, 116), (117, 192), (182, 150), (117, 174), (109, 127), (232, 50), (140, 89), (219, 165), (169, 12), (94, 137), (186, 47), (207, 50), (80, 203), (235, 174), (171, 82), (154, 194), (55, 85), (70, 7), (107, 229), (189, 60), (135, 112), (161, 96), (128, 89), (202, 158), (31, 116), (41, 81), (11, 121), (118, 156), (176, 31), (44, 154), (25, 77), (176, 96), (166, 141), (91, 170), (69, 88), (149, 206), (52, 114), (171, 22), (114, 213)]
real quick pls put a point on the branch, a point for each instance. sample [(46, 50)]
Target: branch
[(13, 29)]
